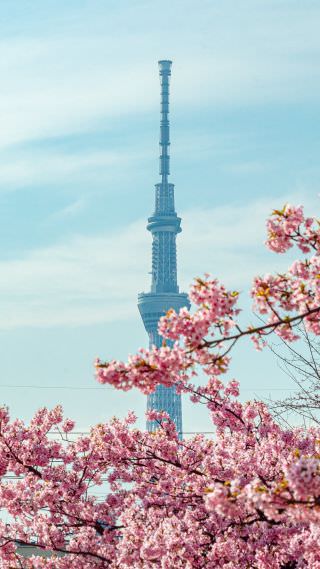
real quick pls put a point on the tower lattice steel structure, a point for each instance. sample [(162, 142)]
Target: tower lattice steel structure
[(164, 226)]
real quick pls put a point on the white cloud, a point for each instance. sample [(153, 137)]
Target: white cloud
[(250, 167), (21, 167), (96, 279), (228, 241), (70, 210), (42, 167), (87, 280), (65, 82), (62, 101)]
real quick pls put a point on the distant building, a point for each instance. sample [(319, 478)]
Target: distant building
[(29, 550), (164, 226)]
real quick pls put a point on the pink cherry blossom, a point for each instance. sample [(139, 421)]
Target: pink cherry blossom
[(119, 497)]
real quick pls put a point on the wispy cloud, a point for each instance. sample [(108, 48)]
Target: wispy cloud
[(42, 167), (82, 282), (57, 82), (96, 279), (228, 241), (66, 79), (251, 167), (72, 209)]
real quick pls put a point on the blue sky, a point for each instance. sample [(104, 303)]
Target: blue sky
[(79, 107)]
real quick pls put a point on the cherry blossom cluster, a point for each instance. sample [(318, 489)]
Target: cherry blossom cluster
[(122, 498), (278, 296), (145, 370), (288, 226), (206, 335), (246, 497), (216, 307)]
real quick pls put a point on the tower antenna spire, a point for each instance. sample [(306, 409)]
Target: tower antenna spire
[(164, 225), (164, 72)]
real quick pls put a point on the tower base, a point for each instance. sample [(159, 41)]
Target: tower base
[(152, 306)]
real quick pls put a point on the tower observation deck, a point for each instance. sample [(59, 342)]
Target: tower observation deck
[(164, 225)]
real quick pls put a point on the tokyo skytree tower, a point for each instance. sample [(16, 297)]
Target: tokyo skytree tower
[(164, 225)]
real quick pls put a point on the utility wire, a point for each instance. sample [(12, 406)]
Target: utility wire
[(72, 387), (11, 386)]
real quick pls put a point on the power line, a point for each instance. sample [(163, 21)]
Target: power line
[(184, 433), (73, 387)]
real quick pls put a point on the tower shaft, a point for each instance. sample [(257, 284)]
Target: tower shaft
[(164, 226), (165, 72)]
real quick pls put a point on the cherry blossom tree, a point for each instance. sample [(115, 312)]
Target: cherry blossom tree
[(248, 497), (301, 364)]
